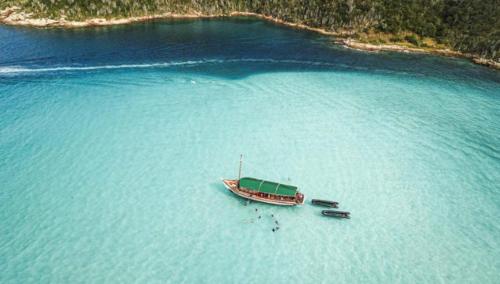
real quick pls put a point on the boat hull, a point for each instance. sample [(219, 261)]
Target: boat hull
[(336, 214), (325, 203), (232, 185)]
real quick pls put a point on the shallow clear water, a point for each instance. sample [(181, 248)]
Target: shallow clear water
[(113, 140)]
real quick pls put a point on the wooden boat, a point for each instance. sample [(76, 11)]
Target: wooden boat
[(264, 191), (337, 214), (325, 203)]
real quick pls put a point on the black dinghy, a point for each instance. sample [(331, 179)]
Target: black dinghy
[(336, 214), (325, 203)]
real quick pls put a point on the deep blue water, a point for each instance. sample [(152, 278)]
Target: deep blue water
[(113, 141)]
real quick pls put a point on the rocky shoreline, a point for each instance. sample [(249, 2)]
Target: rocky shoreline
[(14, 16), (398, 48)]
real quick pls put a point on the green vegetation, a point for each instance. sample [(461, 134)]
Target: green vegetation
[(413, 39), (465, 25)]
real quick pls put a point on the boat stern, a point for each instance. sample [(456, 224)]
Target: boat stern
[(299, 197)]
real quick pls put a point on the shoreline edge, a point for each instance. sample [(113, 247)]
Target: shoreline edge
[(13, 16)]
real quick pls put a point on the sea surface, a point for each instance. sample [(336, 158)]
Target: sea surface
[(113, 141)]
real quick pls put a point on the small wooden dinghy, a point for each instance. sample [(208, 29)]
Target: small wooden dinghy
[(337, 214), (325, 203)]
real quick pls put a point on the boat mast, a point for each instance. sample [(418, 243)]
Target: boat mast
[(241, 161)]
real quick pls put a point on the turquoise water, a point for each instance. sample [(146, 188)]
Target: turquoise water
[(113, 142)]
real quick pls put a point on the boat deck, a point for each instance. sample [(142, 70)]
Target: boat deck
[(232, 185)]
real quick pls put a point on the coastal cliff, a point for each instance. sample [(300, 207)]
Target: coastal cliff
[(449, 27)]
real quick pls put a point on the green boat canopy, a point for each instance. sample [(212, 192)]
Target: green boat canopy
[(268, 186)]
